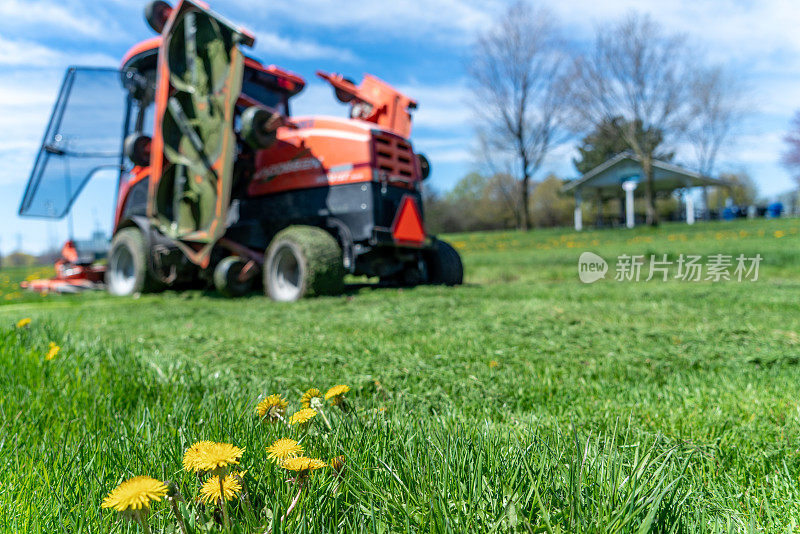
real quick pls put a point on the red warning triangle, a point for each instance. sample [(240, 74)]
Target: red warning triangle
[(407, 225)]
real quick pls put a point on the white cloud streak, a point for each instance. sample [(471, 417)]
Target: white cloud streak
[(432, 20), (275, 45), (66, 17), (20, 53)]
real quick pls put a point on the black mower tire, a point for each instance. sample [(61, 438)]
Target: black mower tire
[(226, 278), (303, 261), (444, 265), (127, 272)]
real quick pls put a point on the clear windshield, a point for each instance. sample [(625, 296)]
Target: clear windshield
[(84, 136), (259, 90)]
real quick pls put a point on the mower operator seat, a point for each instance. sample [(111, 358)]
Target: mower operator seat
[(71, 254)]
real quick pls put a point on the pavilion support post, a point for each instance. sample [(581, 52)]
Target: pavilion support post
[(599, 221), (578, 211), (629, 187), (689, 207)]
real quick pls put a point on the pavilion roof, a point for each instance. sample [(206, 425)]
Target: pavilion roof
[(626, 166)]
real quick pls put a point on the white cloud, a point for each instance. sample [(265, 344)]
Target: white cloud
[(276, 45), (759, 148), (318, 99), (460, 154), (30, 54), (454, 20), (25, 106), (441, 107), (732, 31), (66, 17)]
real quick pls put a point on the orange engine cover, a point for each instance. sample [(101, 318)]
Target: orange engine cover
[(325, 151)]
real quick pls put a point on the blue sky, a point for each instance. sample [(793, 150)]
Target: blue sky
[(421, 47)]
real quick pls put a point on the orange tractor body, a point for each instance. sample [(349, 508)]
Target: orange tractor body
[(218, 182)]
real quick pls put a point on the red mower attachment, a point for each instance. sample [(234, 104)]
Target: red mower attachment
[(75, 272)]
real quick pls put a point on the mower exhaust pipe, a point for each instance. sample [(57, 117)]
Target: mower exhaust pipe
[(156, 14)]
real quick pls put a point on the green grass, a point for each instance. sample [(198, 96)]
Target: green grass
[(524, 401)]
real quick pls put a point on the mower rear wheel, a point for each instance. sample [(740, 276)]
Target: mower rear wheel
[(226, 278), (444, 265), (127, 272), (303, 261)]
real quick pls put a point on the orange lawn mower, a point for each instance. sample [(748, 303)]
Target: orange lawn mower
[(219, 184), (76, 271)]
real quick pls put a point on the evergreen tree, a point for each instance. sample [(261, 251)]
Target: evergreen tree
[(607, 140)]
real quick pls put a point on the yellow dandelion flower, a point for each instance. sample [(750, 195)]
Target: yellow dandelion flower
[(779, 233), (309, 396), (210, 492), (273, 407), (303, 465), (52, 351), (190, 456), (205, 456), (302, 416), (135, 494), (284, 449), (22, 323), (493, 364), (336, 394)]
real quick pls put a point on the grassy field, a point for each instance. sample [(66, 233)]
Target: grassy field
[(524, 401)]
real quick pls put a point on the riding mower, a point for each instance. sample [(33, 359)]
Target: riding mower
[(219, 184)]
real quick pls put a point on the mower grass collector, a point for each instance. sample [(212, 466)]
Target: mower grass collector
[(219, 184)]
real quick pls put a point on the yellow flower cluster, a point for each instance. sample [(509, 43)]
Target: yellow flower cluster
[(273, 407), (288, 453), (219, 462)]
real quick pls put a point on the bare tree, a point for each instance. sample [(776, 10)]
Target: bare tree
[(717, 108), (791, 157), (509, 188), (517, 72), (637, 72)]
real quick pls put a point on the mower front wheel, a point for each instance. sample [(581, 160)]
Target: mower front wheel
[(228, 279), (127, 272), (444, 265), (303, 261)]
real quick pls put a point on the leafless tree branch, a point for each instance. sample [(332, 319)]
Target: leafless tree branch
[(517, 72)]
